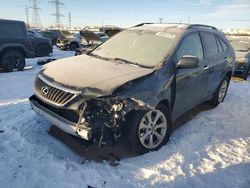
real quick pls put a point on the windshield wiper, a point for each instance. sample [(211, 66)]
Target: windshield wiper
[(97, 56), (130, 62)]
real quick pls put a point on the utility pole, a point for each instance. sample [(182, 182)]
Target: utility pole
[(70, 19), (36, 23), (57, 14), (27, 16), (188, 19), (160, 20)]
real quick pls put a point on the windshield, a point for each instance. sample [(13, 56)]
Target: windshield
[(240, 45), (145, 48)]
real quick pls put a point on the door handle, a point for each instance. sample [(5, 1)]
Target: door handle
[(208, 68)]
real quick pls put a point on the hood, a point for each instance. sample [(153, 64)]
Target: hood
[(89, 35), (84, 71), (239, 54)]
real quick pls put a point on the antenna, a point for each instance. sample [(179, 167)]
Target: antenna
[(70, 19), (57, 14), (36, 22)]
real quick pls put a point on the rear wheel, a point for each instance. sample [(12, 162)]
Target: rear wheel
[(220, 92), (13, 60), (42, 51), (149, 130), (73, 46)]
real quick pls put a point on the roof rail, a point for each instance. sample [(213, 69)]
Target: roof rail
[(201, 26), (141, 24)]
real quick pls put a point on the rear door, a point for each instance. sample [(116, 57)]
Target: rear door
[(215, 59), (191, 84)]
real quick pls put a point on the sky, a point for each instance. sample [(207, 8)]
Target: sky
[(224, 14)]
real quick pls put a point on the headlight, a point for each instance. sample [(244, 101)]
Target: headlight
[(242, 60), (117, 106)]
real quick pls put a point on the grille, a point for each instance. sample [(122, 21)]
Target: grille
[(52, 94)]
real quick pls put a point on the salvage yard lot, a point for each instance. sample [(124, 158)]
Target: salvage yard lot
[(210, 150)]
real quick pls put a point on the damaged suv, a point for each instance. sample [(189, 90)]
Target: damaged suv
[(136, 84)]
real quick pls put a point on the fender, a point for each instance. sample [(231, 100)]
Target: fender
[(19, 46)]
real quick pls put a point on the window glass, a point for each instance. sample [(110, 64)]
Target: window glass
[(145, 48), (223, 44), (210, 43), (13, 29), (219, 46), (191, 45)]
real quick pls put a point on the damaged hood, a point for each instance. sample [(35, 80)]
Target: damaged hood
[(86, 72)]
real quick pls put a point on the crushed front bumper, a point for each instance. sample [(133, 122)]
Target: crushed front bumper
[(60, 122)]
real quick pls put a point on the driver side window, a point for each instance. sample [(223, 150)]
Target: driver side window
[(191, 45)]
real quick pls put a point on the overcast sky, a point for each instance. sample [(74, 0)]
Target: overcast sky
[(220, 13)]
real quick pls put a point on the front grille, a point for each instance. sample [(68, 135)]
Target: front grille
[(51, 93)]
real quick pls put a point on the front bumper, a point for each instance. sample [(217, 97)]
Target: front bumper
[(60, 122), (241, 68)]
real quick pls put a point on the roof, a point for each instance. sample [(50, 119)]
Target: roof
[(14, 21), (172, 27)]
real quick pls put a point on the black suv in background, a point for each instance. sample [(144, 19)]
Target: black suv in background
[(55, 34), (42, 46), (136, 83), (15, 45), (242, 52)]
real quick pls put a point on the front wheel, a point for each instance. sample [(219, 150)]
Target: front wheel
[(149, 130), (246, 73), (220, 92), (13, 60)]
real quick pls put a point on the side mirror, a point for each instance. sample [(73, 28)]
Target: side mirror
[(188, 62)]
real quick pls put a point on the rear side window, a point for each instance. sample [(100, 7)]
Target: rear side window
[(210, 44), (223, 44), (191, 45), (219, 46), (12, 29)]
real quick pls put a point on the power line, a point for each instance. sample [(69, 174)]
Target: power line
[(57, 14), (36, 22)]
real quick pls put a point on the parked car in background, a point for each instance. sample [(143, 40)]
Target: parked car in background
[(136, 83), (72, 43), (110, 30), (55, 34), (15, 45), (42, 46), (82, 39), (242, 52)]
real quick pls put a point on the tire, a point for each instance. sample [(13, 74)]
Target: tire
[(13, 60), (245, 75), (135, 132), (73, 46), (42, 51), (220, 92)]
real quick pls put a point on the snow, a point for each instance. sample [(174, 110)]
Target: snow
[(210, 150)]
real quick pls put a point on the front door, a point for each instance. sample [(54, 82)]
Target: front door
[(191, 83)]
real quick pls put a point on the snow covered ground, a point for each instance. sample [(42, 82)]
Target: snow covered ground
[(211, 150)]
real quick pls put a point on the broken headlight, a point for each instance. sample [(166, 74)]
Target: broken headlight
[(117, 106)]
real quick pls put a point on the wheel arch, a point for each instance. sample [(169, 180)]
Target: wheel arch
[(19, 49)]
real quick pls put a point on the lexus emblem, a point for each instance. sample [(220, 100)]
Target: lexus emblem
[(44, 90)]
